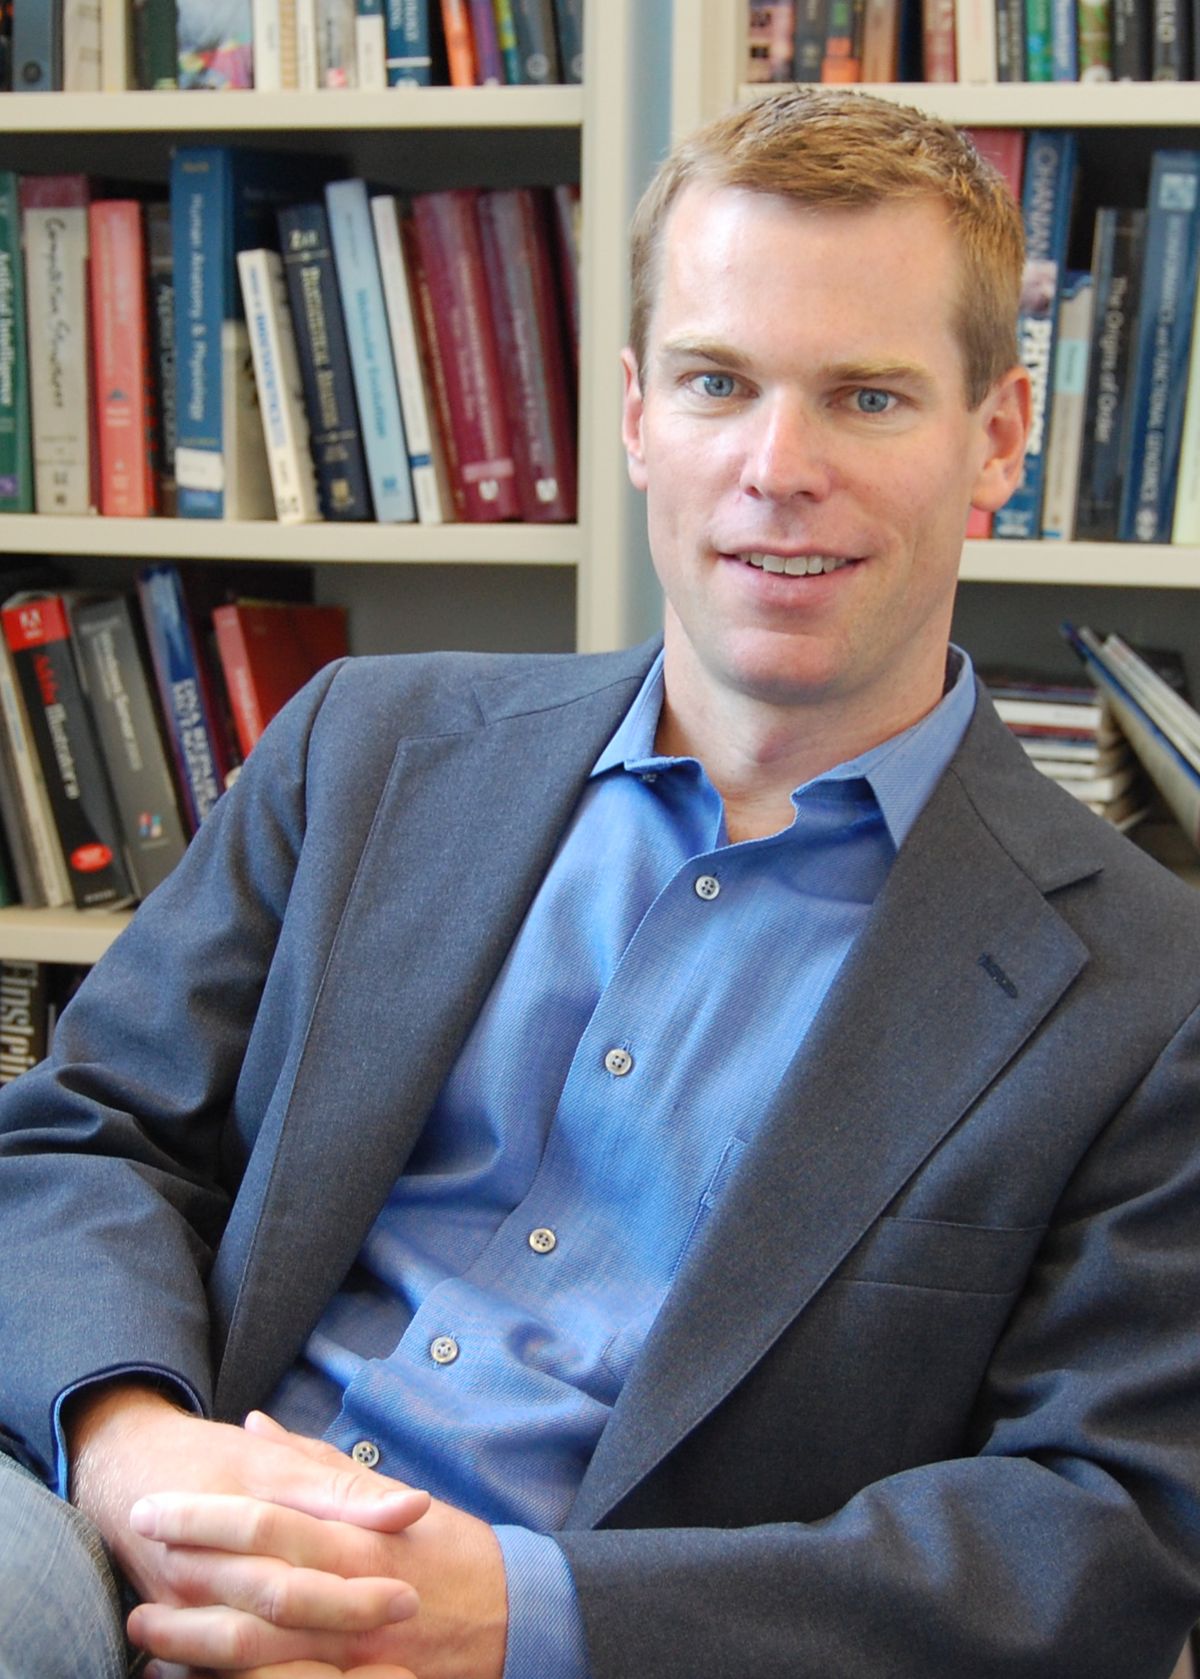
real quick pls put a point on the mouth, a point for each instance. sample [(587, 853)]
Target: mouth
[(793, 565)]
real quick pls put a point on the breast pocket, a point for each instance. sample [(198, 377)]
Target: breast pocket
[(927, 1253)]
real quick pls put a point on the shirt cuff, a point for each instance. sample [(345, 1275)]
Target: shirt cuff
[(545, 1628), (183, 1393)]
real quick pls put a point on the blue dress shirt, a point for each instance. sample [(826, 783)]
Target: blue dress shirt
[(660, 987)]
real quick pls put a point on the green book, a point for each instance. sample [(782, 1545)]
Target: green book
[(1039, 40), (16, 461), (1095, 41)]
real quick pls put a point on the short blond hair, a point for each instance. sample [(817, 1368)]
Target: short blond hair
[(832, 148)]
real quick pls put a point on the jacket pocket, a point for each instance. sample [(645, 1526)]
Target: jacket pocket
[(926, 1253)]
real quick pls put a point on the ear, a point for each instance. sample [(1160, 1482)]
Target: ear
[(632, 411), (1005, 416)]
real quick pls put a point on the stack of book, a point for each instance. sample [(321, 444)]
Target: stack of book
[(1072, 736), (1158, 722), (253, 348)]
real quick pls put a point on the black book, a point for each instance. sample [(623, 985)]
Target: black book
[(1010, 40), (1170, 45), (1131, 40), (1117, 251), (811, 19)]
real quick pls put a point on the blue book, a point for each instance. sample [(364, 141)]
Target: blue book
[(356, 264), (37, 49), (1064, 42), (409, 60), (1047, 194), (1160, 356), (335, 436), (568, 18), (222, 200), (192, 728), (1117, 249)]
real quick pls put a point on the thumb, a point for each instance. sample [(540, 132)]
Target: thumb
[(348, 1493)]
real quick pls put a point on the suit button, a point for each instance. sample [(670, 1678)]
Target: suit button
[(444, 1350)]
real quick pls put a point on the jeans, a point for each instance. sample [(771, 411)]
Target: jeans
[(61, 1615)]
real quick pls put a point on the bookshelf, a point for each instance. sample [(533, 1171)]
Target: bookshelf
[(549, 587)]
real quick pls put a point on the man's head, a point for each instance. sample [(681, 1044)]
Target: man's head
[(829, 148)]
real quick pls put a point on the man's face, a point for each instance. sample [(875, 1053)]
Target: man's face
[(804, 402)]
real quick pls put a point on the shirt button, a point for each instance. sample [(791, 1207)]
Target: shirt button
[(365, 1452), (543, 1240), (444, 1350), (619, 1062), (707, 886)]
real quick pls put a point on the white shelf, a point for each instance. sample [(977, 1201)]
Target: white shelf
[(58, 935), (1038, 104), (326, 543), (1130, 565), (239, 111)]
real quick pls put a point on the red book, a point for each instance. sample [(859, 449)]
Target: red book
[(489, 65), (460, 43), (451, 252), (268, 651), (1004, 149), (121, 337), (843, 42), (567, 232), (431, 366), (528, 316), (881, 41), (939, 50)]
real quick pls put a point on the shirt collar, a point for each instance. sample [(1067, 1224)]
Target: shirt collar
[(901, 772)]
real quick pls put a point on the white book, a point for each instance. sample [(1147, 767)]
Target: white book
[(337, 53), (280, 393), (425, 460), (59, 345), (975, 40), (49, 866), (370, 47), (268, 53), (289, 71), (1068, 405), (116, 27), (83, 46), (1186, 523), (247, 475), (307, 76)]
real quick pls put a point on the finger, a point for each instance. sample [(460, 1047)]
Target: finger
[(333, 1486), (284, 1595), (254, 1527), (229, 1640), (321, 1670)]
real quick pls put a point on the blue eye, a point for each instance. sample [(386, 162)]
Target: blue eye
[(717, 384), (873, 402)]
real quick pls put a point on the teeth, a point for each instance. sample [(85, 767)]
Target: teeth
[(796, 565)]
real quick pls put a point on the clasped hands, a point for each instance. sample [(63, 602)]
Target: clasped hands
[(263, 1554)]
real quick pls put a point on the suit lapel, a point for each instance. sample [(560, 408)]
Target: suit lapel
[(961, 959)]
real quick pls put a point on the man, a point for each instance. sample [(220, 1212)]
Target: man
[(724, 1126)]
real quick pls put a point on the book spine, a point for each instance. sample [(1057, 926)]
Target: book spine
[(536, 43), (489, 63), (308, 76), (1046, 200), (328, 384), (1170, 46), (37, 57), (1185, 527), (451, 256), (460, 47), (82, 46), (770, 43), (1039, 40), (127, 725), (289, 68), (881, 41), (215, 45), (568, 22), (190, 726), (506, 34), (370, 45), (268, 46), (525, 310), (1064, 42), (939, 52), (55, 229), (428, 475), (357, 267), (975, 41), (239, 681), (1010, 40), (1117, 251), (50, 869), (808, 48), (16, 457), (337, 62), (434, 369), (277, 376), (39, 638), (1161, 354), (1095, 41), (566, 202), (1063, 450), (120, 330), (1131, 40), (843, 42), (23, 1017), (406, 29), (199, 194), (155, 44), (161, 316), (26, 886)]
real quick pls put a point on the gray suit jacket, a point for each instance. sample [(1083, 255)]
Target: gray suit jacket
[(925, 1398)]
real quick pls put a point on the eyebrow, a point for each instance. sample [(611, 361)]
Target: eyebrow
[(838, 373)]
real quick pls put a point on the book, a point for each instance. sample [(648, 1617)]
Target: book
[(1010, 40), (155, 44), (37, 57), (1068, 400), (82, 46), (433, 366), (337, 47), (426, 457), (460, 47), (568, 23), (1095, 41), (506, 36), (1160, 356), (1185, 526), (1078, 714), (289, 65), (21, 883), (193, 728), (1170, 41), (221, 201), (356, 264), (567, 230), (54, 221), (881, 41), (1064, 42), (975, 41), (128, 469), (525, 309), (1039, 40), (537, 44), (1117, 248), (308, 78), (52, 888), (409, 61), (215, 44), (939, 52), (1130, 23), (448, 240), (770, 42), (161, 318), (24, 1003), (1046, 202), (268, 651), (16, 456), (843, 42), (808, 45), (267, 45), (280, 395), (115, 675), (370, 45), (335, 436), (489, 64), (38, 632)]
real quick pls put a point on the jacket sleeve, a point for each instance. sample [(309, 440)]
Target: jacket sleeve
[(118, 1159)]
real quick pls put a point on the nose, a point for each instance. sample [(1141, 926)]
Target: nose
[(786, 452)]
